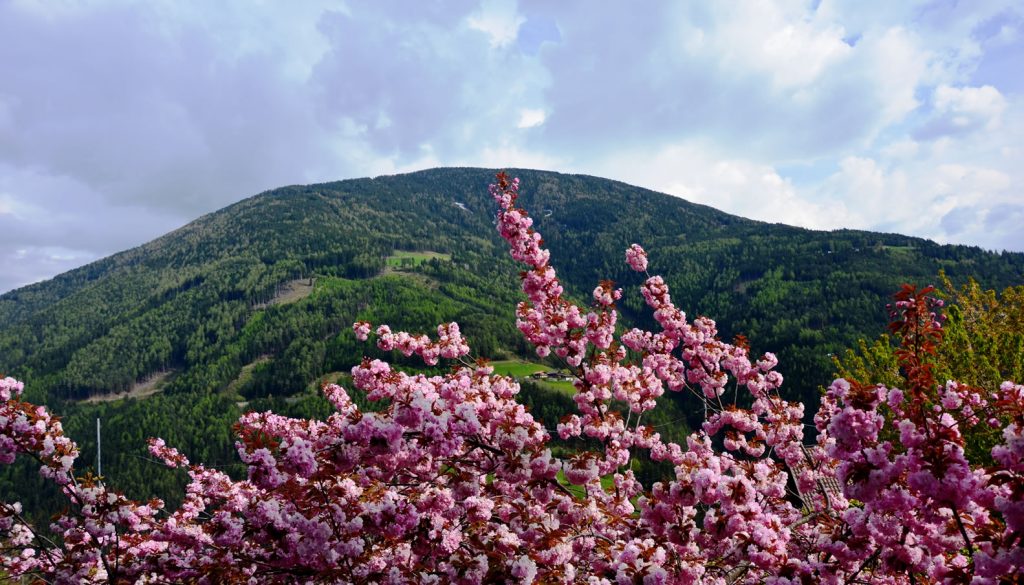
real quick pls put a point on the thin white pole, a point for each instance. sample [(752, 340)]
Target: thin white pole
[(99, 450)]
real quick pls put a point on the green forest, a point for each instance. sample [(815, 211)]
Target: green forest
[(251, 307)]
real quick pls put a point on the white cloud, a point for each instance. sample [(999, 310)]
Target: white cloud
[(897, 65), (498, 19), (120, 120), (776, 39), (765, 80), (531, 118), (738, 186), (957, 189), (970, 105)]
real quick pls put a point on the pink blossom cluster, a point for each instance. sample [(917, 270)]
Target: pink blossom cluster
[(452, 480), (548, 320), (449, 344), (636, 257), (922, 507)]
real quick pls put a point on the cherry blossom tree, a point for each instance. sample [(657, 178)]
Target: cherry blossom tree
[(453, 480)]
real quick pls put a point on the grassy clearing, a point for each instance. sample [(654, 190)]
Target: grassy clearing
[(518, 368), (402, 264), (900, 250), (404, 259), (558, 386), (521, 369)]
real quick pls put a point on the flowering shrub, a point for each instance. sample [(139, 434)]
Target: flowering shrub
[(454, 481)]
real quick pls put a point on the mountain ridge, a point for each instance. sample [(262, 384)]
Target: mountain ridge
[(561, 203), (71, 275)]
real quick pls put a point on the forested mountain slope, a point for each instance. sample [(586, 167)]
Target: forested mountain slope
[(255, 300)]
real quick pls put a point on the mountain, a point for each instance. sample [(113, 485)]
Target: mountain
[(251, 306)]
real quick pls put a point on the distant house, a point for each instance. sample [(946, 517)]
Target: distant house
[(562, 375)]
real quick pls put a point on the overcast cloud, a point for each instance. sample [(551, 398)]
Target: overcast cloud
[(120, 121)]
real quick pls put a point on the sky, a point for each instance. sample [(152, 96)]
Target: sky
[(120, 121)]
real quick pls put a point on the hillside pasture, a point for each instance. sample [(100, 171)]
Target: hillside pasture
[(403, 259)]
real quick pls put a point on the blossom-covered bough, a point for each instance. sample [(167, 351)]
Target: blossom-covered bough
[(455, 482)]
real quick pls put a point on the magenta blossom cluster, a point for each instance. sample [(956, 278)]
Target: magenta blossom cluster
[(452, 480)]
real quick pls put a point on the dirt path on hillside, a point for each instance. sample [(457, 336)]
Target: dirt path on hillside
[(147, 387)]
